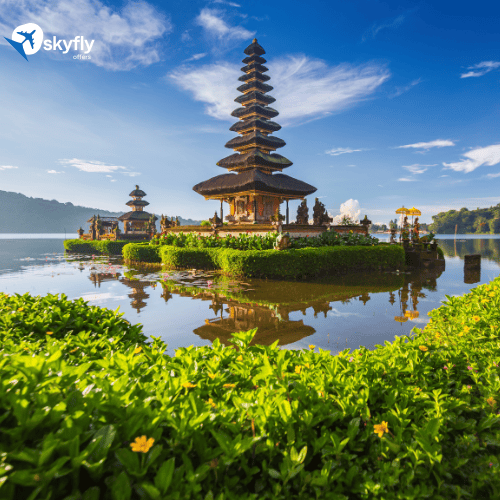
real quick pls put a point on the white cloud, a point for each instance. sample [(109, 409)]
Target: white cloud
[(124, 37), (489, 156), (54, 172), (196, 57), (376, 28), (438, 143), (406, 179), (98, 167), (341, 151), (416, 168), (482, 67), (492, 176), (305, 88), (231, 4), (6, 167), (443, 176), (211, 21), (402, 90)]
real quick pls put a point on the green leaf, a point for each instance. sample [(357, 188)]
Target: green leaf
[(153, 492), (302, 454), (432, 428), (92, 494), (163, 477), (120, 488), (129, 460), (103, 439), (274, 473)]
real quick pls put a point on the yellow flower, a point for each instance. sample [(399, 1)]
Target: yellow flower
[(211, 403), (306, 365), (188, 385), (476, 318), (229, 386), (212, 375), (380, 429), (492, 294), (239, 358), (485, 301), (142, 444), (137, 350), (311, 346), (50, 333), (74, 350), (21, 309), (322, 394), (491, 402), (423, 348), (298, 369), (461, 334)]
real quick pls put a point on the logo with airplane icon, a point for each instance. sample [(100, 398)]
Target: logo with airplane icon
[(31, 33)]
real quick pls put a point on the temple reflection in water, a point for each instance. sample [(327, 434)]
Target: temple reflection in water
[(269, 305)]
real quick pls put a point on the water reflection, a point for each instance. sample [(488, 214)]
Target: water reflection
[(489, 248)]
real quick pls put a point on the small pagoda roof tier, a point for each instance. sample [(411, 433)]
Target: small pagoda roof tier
[(254, 110), (255, 59), (255, 97), (139, 193), (253, 74), (137, 203), (255, 158), (255, 124), (255, 139), (140, 216), (252, 66), (254, 49), (254, 181), (254, 85)]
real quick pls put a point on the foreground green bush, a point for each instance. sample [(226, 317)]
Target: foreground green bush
[(88, 410), (105, 247)]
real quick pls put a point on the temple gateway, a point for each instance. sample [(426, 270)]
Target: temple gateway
[(255, 191)]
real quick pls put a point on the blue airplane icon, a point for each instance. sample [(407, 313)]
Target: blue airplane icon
[(28, 37), (19, 45)]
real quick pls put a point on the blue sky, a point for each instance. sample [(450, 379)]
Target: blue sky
[(387, 103)]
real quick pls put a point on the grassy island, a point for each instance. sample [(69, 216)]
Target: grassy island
[(92, 409)]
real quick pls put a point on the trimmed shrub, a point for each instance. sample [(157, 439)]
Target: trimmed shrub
[(141, 252), (288, 264), (104, 247), (182, 258)]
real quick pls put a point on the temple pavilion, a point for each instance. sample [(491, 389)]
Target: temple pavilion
[(254, 191), (138, 220)]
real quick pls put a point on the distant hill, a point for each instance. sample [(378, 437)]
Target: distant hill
[(481, 221), (22, 214)]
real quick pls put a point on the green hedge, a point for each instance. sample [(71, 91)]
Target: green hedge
[(304, 262), (181, 257), (142, 252), (104, 247), (416, 418)]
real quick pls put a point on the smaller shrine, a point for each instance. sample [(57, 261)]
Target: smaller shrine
[(138, 221)]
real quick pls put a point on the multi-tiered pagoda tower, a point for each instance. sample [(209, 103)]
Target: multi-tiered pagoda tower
[(138, 219), (255, 191)]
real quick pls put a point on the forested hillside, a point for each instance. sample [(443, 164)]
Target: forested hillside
[(21, 214), (482, 220)]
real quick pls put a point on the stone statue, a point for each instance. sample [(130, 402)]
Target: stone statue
[(320, 216), (416, 231), (303, 213), (152, 223), (405, 232), (215, 220), (177, 223), (282, 241)]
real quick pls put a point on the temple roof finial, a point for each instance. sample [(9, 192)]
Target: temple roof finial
[(254, 40)]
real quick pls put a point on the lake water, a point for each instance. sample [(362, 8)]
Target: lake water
[(194, 308)]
